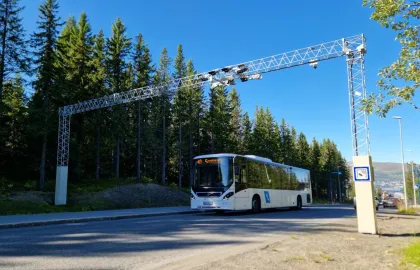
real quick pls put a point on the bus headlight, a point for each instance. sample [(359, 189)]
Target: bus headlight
[(227, 196), (192, 197)]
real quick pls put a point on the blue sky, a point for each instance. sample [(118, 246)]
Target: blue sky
[(219, 33)]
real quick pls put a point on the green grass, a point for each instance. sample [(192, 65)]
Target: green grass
[(408, 211), (326, 257), (319, 201), (412, 254), (293, 259), (14, 207)]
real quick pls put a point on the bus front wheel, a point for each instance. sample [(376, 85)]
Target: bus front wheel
[(256, 204)]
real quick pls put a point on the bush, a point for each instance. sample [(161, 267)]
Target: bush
[(30, 185), (146, 180), (319, 201), (408, 211), (11, 207), (5, 187)]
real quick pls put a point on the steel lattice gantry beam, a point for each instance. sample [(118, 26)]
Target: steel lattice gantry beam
[(352, 47)]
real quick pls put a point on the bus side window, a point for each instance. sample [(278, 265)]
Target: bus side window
[(243, 179)]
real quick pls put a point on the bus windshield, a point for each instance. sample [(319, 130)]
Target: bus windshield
[(213, 172)]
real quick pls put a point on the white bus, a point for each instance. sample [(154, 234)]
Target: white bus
[(235, 182)]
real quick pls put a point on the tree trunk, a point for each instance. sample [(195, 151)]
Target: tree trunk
[(97, 151), (212, 143), (117, 159), (164, 146), (212, 136), (79, 149), (199, 134), (3, 48), (44, 139), (42, 166), (179, 152), (191, 154), (138, 167)]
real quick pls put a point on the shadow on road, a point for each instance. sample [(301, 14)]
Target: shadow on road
[(401, 235), (106, 238)]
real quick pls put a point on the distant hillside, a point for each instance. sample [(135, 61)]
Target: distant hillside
[(388, 170), (388, 175)]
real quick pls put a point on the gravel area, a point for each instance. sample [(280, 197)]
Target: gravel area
[(124, 196), (138, 195), (338, 248), (33, 196)]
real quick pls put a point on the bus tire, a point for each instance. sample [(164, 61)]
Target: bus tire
[(256, 204), (299, 203)]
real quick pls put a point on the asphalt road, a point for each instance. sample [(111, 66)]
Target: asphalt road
[(166, 242)]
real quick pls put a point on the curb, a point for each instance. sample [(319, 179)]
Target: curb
[(82, 220)]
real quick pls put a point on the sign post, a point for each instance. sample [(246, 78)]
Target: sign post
[(365, 202)]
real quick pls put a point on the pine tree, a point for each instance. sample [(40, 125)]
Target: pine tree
[(143, 69), (302, 147), (78, 67), (14, 131), (315, 166), (236, 135), (246, 127), (180, 108), (217, 122), (163, 76), (118, 49), (13, 54), (194, 97), (286, 145), (263, 139), (44, 42), (293, 147), (97, 79)]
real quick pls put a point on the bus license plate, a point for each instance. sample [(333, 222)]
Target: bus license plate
[(207, 203)]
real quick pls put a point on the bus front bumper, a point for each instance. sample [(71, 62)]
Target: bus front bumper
[(211, 204)]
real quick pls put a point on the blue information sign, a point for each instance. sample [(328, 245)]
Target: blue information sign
[(361, 174), (267, 197)]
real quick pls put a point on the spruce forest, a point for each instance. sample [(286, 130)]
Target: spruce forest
[(152, 141)]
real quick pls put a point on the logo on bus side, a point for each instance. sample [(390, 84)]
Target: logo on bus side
[(267, 197)]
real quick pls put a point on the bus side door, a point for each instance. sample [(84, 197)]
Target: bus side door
[(241, 185)]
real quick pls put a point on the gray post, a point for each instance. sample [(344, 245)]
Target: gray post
[(339, 184), (402, 161)]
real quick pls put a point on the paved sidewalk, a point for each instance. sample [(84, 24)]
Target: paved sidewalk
[(76, 217)]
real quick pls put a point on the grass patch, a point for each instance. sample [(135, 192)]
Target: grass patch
[(12, 207), (319, 201), (412, 253), (326, 257), (408, 211), (293, 259), (293, 237)]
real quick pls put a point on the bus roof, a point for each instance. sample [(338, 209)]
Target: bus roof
[(216, 155), (251, 157)]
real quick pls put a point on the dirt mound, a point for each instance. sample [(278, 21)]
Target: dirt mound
[(136, 195), (33, 196)]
